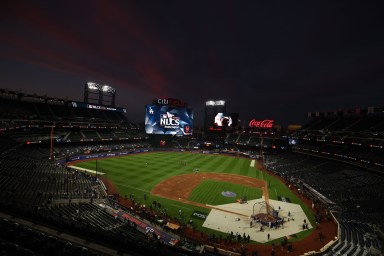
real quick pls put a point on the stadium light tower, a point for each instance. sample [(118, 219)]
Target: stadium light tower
[(99, 94)]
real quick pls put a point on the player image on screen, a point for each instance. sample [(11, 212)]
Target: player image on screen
[(222, 120), (168, 120)]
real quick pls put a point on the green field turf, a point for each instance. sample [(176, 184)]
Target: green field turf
[(209, 192), (137, 174)]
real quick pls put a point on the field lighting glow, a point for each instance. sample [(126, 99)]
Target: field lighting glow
[(215, 103), (220, 103), (103, 88), (92, 86), (107, 88)]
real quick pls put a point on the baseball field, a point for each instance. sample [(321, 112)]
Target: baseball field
[(191, 181)]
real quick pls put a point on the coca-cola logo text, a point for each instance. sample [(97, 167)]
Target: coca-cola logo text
[(261, 124)]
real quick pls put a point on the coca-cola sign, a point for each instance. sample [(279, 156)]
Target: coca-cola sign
[(261, 123)]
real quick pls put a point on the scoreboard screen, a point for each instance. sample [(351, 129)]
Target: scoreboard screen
[(226, 120), (168, 120)]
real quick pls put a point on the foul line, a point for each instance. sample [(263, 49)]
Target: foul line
[(84, 169), (253, 163), (127, 186), (181, 207)]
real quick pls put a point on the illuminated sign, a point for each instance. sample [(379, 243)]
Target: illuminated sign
[(77, 104), (261, 124), (160, 101), (215, 103), (168, 120), (170, 102)]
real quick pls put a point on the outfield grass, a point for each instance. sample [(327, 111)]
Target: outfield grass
[(138, 174)]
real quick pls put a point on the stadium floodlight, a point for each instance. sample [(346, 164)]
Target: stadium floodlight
[(107, 88), (99, 93), (92, 86), (210, 103), (220, 103)]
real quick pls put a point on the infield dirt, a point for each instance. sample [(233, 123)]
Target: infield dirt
[(179, 187)]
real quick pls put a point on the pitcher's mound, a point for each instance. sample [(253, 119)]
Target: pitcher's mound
[(228, 194)]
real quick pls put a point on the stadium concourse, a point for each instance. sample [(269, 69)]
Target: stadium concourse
[(334, 162)]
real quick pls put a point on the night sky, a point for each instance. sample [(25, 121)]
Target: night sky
[(267, 59)]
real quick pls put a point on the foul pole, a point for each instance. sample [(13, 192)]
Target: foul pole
[(51, 149), (96, 169)]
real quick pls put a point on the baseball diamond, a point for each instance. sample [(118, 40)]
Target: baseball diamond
[(164, 180)]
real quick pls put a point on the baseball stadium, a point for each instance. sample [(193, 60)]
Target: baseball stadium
[(81, 179)]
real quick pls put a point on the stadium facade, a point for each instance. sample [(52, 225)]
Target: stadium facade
[(335, 161)]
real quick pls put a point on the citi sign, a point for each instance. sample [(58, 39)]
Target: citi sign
[(261, 124), (170, 102), (162, 101)]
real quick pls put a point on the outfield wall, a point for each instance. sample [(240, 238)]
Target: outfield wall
[(102, 155), (124, 153)]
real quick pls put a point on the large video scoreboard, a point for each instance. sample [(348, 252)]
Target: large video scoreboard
[(164, 118)]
